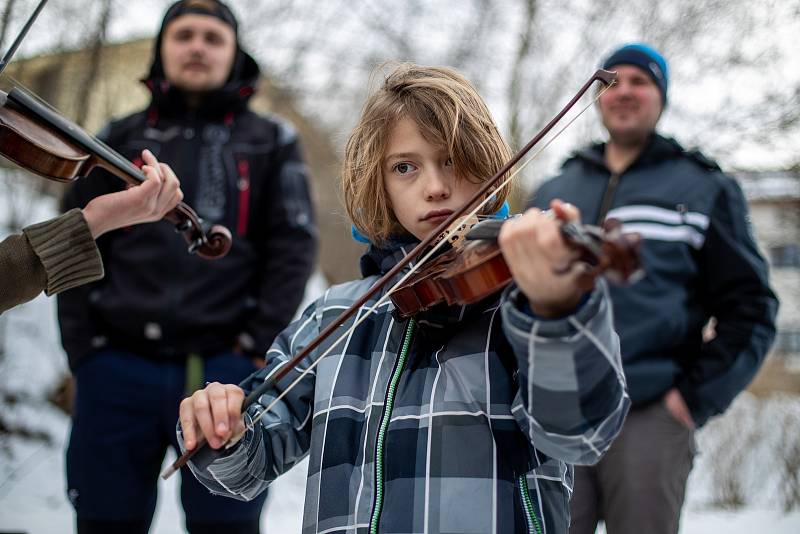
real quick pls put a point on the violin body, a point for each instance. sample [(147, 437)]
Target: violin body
[(36, 149), (475, 270), (458, 277)]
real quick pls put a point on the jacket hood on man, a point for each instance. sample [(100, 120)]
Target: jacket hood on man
[(232, 96)]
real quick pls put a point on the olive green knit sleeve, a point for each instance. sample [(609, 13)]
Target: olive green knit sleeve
[(55, 255), (22, 275)]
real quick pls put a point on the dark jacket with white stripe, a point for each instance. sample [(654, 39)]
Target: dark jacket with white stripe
[(237, 168), (701, 261), (472, 427)]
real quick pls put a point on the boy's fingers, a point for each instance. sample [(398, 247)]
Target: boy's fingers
[(187, 424), (565, 211), (203, 418), (235, 398), (218, 397)]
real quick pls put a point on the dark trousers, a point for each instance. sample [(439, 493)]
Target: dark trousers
[(126, 409), (639, 485)]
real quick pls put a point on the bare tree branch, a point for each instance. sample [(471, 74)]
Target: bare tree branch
[(95, 50)]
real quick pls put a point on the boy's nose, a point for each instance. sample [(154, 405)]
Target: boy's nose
[(437, 186)]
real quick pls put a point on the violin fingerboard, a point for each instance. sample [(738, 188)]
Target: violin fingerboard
[(487, 230)]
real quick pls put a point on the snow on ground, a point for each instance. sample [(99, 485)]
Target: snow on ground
[(32, 499), (32, 481)]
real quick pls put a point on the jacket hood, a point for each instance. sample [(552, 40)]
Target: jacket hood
[(231, 97)]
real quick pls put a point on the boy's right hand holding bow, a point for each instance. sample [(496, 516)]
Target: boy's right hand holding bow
[(213, 413)]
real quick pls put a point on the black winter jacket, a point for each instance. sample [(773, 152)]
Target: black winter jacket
[(700, 260), (236, 168)]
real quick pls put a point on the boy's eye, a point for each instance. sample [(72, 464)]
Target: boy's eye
[(404, 168), (449, 162)]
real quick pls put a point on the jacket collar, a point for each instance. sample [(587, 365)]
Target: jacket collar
[(658, 149)]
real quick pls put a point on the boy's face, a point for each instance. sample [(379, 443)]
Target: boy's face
[(197, 52), (631, 107), (420, 180)]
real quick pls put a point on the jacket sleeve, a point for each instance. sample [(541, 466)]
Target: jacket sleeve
[(279, 439), (53, 256), (734, 289), (74, 317), (572, 400), (286, 242)]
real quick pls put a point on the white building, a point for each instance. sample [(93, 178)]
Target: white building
[(774, 199)]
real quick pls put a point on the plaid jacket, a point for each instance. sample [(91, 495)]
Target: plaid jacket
[(458, 421)]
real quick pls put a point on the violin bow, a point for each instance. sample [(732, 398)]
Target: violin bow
[(607, 78), (18, 41)]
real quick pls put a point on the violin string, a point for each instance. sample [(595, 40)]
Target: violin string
[(410, 272)]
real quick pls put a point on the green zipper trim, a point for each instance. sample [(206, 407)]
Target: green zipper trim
[(527, 504), (387, 415)]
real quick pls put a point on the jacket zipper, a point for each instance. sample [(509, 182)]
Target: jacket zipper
[(527, 504), (384, 425), (608, 198)]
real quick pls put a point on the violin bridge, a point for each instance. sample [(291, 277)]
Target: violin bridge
[(456, 234)]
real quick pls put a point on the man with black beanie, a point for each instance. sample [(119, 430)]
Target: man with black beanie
[(163, 322), (700, 263)]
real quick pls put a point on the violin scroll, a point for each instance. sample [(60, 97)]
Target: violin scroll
[(217, 243), (207, 242)]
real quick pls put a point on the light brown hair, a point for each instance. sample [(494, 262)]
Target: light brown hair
[(449, 113)]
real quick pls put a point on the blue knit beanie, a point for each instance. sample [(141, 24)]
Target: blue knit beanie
[(646, 58)]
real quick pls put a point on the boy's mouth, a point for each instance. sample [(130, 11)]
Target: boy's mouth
[(436, 215)]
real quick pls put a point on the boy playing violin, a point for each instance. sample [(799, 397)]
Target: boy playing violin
[(461, 418)]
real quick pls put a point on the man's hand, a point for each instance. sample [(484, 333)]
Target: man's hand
[(213, 413), (535, 252), (674, 402), (148, 202)]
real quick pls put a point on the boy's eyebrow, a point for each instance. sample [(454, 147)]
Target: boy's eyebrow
[(400, 155)]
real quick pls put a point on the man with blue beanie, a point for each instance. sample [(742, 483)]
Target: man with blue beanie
[(701, 266)]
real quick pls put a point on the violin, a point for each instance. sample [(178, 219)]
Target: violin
[(476, 270), (42, 141)]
